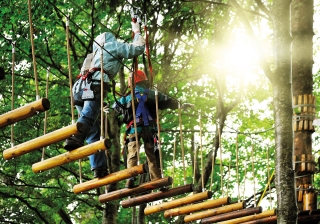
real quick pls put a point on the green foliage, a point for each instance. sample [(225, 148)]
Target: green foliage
[(188, 44)]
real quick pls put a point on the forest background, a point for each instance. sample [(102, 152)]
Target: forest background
[(202, 53)]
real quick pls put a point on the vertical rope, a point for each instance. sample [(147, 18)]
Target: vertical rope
[(46, 112), (101, 92), (221, 169), (237, 167), (269, 188), (102, 123), (69, 69), (174, 159), (229, 172), (182, 146), (244, 181), (212, 171), (202, 171), (80, 165), (12, 91), (253, 176), (106, 110), (212, 166), (33, 51), (158, 127), (148, 52), (12, 106), (195, 162), (134, 116)]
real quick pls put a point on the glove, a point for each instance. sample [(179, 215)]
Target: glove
[(135, 27), (187, 106)]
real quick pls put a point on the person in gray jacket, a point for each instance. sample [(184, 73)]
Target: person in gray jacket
[(87, 90)]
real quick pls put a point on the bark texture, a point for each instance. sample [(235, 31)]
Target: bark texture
[(282, 93), (111, 208)]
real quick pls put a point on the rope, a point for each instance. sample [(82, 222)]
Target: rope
[(202, 173), (269, 178), (221, 169), (106, 151), (33, 52), (102, 95), (229, 172), (116, 58), (212, 165), (148, 52), (80, 165), (237, 166), (158, 127), (70, 73), (182, 146), (212, 171), (265, 189), (195, 162), (45, 113), (254, 183), (174, 159), (12, 94), (134, 118), (244, 181)]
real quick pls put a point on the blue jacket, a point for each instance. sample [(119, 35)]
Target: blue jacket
[(164, 102)]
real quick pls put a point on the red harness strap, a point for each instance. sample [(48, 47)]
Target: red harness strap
[(148, 55), (90, 72)]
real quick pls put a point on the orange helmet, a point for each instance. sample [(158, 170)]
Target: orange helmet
[(139, 76)]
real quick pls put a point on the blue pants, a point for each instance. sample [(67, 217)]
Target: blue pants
[(89, 114)]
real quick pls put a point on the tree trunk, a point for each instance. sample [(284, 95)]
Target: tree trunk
[(302, 86), (208, 166), (111, 209), (282, 94)]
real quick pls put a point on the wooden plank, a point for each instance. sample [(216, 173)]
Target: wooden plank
[(294, 100), (178, 202), (72, 155), (305, 110), (309, 200), (154, 184), (110, 179), (232, 215), (310, 111), (313, 110), (157, 196), (303, 164), (24, 112), (216, 211), (266, 220), (300, 123), (43, 141), (250, 217), (197, 207)]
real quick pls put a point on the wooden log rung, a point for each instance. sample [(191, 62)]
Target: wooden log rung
[(143, 199), (24, 112), (266, 220), (73, 155), (178, 202), (261, 215), (197, 207), (154, 184), (43, 141), (232, 215), (110, 179), (216, 211)]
